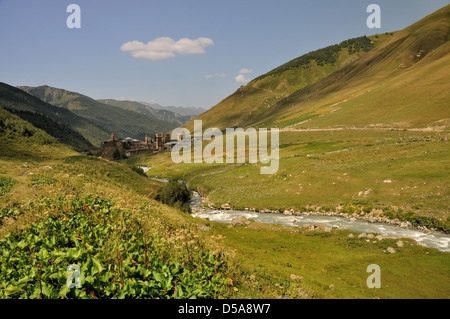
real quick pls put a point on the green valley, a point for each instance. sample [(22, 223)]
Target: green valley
[(363, 137)]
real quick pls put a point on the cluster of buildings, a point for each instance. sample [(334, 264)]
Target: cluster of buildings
[(160, 143)]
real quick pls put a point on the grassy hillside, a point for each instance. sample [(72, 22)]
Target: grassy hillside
[(14, 130), (262, 93), (109, 118), (17, 100), (63, 133), (398, 80), (401, 83), (137, 107)]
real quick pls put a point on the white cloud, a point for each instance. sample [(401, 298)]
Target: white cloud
[(218, 75), (241, 79), (245, 71), (165, 47)]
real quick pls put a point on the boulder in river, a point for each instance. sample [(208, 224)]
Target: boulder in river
[(225, 207), (320, 225)]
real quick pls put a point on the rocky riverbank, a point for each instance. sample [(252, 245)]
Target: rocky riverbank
[(374, 216)]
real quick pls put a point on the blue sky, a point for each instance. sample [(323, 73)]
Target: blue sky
[(115, 52)]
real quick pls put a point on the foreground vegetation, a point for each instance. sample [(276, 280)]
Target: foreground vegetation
[(126, 244), (118, 254)]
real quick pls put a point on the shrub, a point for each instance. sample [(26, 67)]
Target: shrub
[(175, 194), (116, 155), (138, 170)]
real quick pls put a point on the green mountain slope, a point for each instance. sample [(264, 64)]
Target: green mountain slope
[(109, 118), (13, 128), (400, 80), (63, 133), (402, 83), (17, 100), (137, 107), (266, 90)]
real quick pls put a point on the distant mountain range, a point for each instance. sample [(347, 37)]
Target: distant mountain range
[(106, 118), (157, 111), (397, 79), (192, 111)]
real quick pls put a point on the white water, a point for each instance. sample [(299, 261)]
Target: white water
[(436, 240)]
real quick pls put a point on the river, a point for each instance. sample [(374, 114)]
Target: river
[(432, 239)]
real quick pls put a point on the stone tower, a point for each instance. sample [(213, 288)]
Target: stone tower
[(159, 141), (148, 139)]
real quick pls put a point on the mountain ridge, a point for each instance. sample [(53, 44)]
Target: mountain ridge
[(18, 100), (109, 118), (188, 110), (322, 91), (160, 114)]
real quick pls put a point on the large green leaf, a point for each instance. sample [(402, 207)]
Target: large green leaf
[(96, 266)]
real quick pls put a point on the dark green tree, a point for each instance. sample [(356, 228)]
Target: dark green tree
[(116, 155), (174, 194)]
